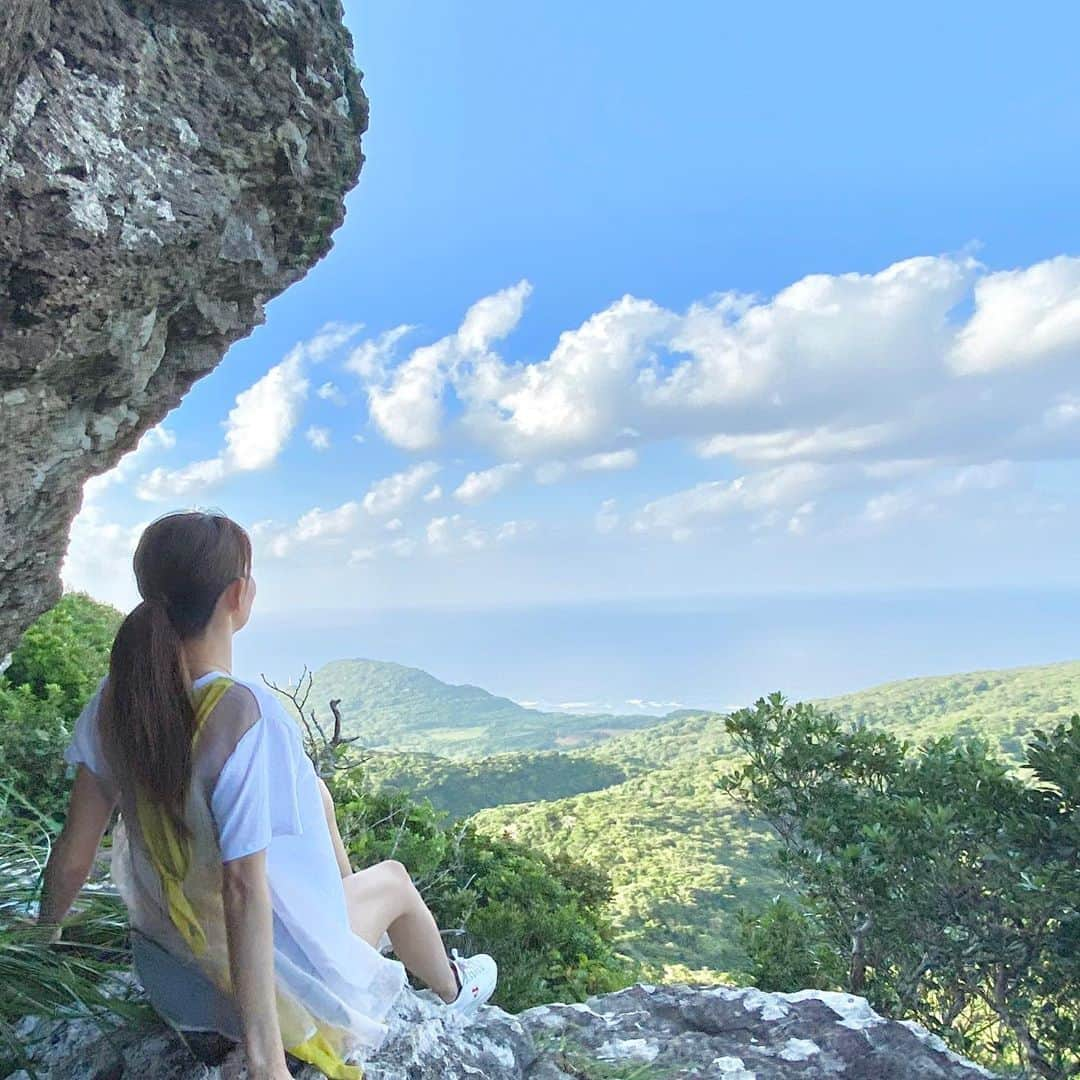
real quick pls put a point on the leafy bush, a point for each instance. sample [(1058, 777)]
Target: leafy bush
[(67, 648), (947, 886), (544, 920), (33, 735), (53, 671), (787, 949)]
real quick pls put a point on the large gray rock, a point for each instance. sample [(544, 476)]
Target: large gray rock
[(166, 167), (674, 1032)]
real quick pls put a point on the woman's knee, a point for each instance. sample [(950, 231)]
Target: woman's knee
[(396, 872), (385, 883)]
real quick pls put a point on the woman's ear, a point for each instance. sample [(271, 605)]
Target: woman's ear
[(239, 597), (234, 595)]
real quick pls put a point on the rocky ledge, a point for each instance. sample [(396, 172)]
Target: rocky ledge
[(166, 168), (668, 1032)]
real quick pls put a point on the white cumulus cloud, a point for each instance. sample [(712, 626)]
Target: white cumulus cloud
[(478, 486), (371, 358), (259, 424), (613, 460), (331, 392), (391, 494), (319, 437), (607, 517), (406, 403), (707, 503), (313, 525), (905, 362), (1022, 318), (454, 533)]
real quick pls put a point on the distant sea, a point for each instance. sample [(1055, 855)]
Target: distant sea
[(715, 652)]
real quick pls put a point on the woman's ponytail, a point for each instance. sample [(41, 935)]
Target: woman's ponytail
[(183, 563), (147, 717)]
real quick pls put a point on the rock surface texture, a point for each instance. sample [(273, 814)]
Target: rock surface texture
[(669, 1032), (166, 167)]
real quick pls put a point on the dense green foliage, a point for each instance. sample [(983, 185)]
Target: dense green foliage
[(461, 788), (544, 919), (394, 707), (787, 949), (67, 648), (949, 885), (53, 671), (33, 736), (681, 855)]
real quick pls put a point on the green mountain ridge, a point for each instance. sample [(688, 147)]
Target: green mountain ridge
[(394, 707), (1001, 705)]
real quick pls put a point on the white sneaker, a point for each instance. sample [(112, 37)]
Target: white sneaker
[(477, 975)]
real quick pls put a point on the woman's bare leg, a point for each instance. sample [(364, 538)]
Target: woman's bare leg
[(381, 899)]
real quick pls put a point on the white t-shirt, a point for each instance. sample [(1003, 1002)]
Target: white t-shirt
[(254, 788)]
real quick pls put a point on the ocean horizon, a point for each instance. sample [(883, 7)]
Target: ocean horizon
[(709, 652)]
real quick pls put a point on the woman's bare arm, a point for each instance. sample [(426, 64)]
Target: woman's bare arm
[(72, 857), (249, 929), (335, 833)]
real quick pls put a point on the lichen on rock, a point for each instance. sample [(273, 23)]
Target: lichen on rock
[(166, 168), (669, 1032)]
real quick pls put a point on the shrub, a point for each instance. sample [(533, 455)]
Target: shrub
[(947, 885), (544, 920), (55, 668), (787, 949), (33, 734), (67, 648)]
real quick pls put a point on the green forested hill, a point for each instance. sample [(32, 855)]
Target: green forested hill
[(686, 738), (462, 787), (395, 707), (1002, 706), (682, 858)]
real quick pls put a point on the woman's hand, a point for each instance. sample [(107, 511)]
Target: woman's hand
[(235, 1068), (32, 930), (277, 1074)]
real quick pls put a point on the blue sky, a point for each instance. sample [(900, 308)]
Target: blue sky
[(632, 306)]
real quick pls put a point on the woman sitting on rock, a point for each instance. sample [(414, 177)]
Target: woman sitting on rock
[(247, 917)]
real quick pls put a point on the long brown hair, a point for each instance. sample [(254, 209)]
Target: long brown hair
[(183, 563)]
